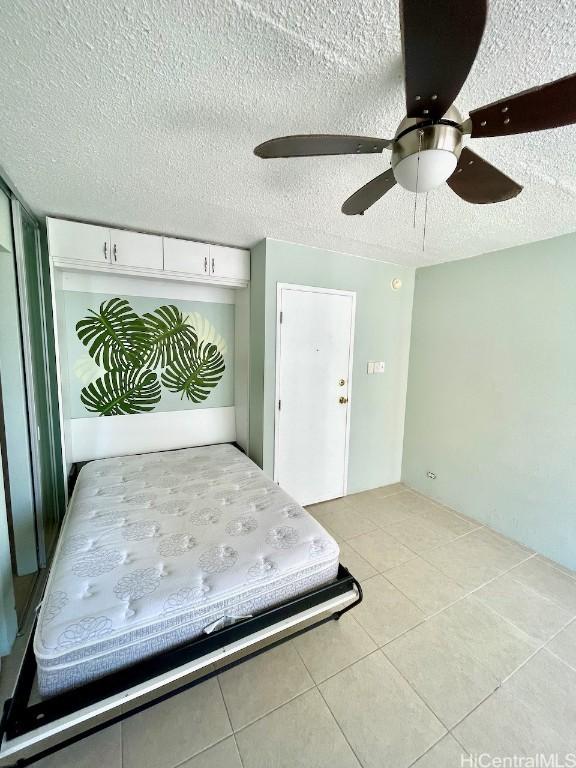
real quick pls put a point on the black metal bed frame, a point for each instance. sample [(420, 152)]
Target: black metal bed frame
[(20, 718)]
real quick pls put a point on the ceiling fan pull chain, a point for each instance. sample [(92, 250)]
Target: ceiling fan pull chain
[(425, 220), (417, 171)]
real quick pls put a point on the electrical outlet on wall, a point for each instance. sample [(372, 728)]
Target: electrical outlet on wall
[(375, 366)]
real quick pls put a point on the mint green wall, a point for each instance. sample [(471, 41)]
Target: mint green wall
[(382, 333), (257, 343), (491, 405)]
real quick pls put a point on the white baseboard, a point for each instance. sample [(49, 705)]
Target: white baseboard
[(104, 436)]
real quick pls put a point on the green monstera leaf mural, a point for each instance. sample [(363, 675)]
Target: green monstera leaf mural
[(196, 374), (115, 336), (168, 336), (139, 353), (130, 390)]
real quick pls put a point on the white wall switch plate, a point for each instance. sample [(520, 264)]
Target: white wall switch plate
[(370, 367), (379, 367)]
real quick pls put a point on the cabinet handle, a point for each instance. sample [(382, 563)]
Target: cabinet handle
[(115, 251), (206, 264), (105, 251), (212, 264)]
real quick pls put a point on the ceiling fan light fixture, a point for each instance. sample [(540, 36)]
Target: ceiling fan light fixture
[(439, 50), (425, 170)]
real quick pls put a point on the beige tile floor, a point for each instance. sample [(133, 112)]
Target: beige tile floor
[(465, 643)]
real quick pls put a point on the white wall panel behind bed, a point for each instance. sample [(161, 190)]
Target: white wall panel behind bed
[(121, 435)]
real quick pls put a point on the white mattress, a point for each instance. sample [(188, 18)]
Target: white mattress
[(156, 548)]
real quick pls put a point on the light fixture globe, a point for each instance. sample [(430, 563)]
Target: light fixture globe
[(425, 154), (425, 170)]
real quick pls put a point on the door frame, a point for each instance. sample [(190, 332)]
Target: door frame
[(33, 423), (312, 289)]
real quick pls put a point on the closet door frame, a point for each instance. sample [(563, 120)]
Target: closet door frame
[(33, 421)]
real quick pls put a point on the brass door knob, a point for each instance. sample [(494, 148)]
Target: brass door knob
[(343, 400)]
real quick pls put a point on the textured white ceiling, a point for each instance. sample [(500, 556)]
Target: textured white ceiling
[(145, 114)]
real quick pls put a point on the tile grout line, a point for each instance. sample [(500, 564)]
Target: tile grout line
[(238, 750), (448, 733), (201, 752), (196, 754), (514, 671), (415, 691), (559, 658), (479, 526), (418, 554), (293, 698), (505, 679), (339, 726), (436, 613), (557, 567), (217, 676), (229, 722), (444, 506), (261, 717), (555, 635), (542, 648), (419, 695), (457, 740), (534, 591), (273, 709), (317, 686), (519, 629)]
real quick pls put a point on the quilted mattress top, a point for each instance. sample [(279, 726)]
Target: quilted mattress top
[(146, 537)]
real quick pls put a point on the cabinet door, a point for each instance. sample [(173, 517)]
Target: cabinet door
[(233, 263), (78, 242), (133, 249), (186, 256)]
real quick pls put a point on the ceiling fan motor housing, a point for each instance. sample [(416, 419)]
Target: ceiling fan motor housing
[(426, 153)]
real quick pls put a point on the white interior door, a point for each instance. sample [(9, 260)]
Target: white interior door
[(315, 334)]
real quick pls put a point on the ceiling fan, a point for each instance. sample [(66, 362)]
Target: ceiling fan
[(440, 40)]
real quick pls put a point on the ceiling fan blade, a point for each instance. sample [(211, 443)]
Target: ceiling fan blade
[(476, 181), (440, 40), (546, 106), (367, 195), (310, 145)]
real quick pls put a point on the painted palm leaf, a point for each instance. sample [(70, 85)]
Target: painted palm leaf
[(195, 374), (122, 391), (168, 336), (114, 336)]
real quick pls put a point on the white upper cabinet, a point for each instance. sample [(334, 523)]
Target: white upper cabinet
[(186, 256), (78, 246), (78, 242), (231, 263), (133, 249)]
